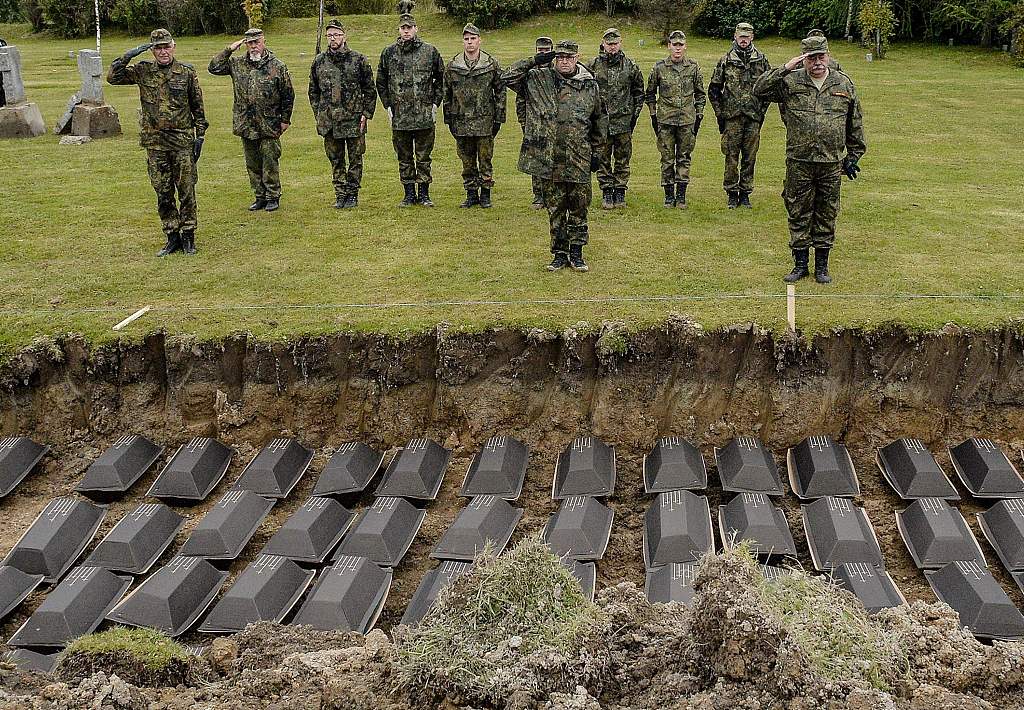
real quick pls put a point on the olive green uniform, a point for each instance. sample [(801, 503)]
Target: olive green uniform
[(172, 117), (622, 90), (566, 127), (474, 105), (410, 83), (263, 101), (676, 97), (341, 92), (740, 114)]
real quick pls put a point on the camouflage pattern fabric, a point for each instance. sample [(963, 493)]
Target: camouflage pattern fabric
[(821, 126), (262, 162), (731, 89), (811, 194), (341, 92), (474, 96), (622, 89), (613, 172), (675, 92), (413, 149), (346, 180), (477, 155), (264, 96), (172, 172), (675, 144), (740, 141), (566, 203), (410, 82), (172, 114), (566, 122)]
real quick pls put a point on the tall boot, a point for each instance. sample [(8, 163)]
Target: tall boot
[(339, 202), (538, 201), (173, 244), (485, 198), (607, 198), (410, 195), (472, 200), (352, 199), (745, 200), (800, 257), (188, 242), (425, 195), (670, 195), (734, 199), (576, 258), (681, 195), (620, 198), (821, 265)]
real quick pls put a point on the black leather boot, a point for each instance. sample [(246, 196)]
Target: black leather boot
[(259, 204), (670, 195), (800, 257), (821, 266), (425, 195), (410, 196), (173, 244), (352, 200), (188, 243), (472, 199), (607, 199), (273, 204), (485, 198), (559, 260), (681, 195), (576, 258), (745, 200), (339, 202), (538, 201), (734, 199), (620, 197)]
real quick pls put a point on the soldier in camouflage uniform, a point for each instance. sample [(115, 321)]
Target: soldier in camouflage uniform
[(824, 140), (474, 109), (541, 46), (676, 98), (832, 63), (262, 112), (622, 89), (410, 83), (740, 114), (566, 128), (172, 125), (343, 97)]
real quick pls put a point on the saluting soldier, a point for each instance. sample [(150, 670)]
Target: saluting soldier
[(474, 109), (410, 83), (343, 97), (832, 63), (262, 112), (171, 129), (542, 45), (824, 141), (740, 114), (622, 89), (676, 98)]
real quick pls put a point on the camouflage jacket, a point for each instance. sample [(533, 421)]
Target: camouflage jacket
[(172, 103), (622, 89), (675, 92), (731, 87), (341, 91), (410, 82), (263, 93), (821, 126), (474, 97), (565, 125)]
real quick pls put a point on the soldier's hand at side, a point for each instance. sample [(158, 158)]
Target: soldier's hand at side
[(721, 125), (796, 62), (284, 127), (595, 162), (654, 123), (850, 167), (362, 124), (544, 58), (495, 127), (696, 125)]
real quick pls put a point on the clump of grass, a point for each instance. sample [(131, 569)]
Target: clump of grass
[(476, 636), (138, 656)]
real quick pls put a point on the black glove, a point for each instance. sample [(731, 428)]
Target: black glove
[(696, 124), (632, 122), (197, 148), (850, 167), (595, 163), (654, 123), (495, 127), (543, 58), (136, 51), (721, 125)]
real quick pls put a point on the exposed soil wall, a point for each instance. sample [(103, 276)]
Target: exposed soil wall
[(865, 388)]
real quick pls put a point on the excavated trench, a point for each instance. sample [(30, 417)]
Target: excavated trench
[(864, 388)]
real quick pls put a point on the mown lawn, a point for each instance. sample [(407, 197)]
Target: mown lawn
[(938, 210)]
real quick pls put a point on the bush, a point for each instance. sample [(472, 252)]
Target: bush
[(489, 14), (829, 16), (10, 11), (877, 24), (668, 15), (720, 17), (138, 17), (69, 18), (32, 12)]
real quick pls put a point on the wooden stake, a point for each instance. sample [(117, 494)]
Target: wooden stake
[(133, 317), (791, 306)]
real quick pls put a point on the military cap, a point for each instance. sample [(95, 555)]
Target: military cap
[(253, 34), (814, 45), (160, 38), (567, 47), (471, 29), (676, 37), (335, 25), (545, 42), (406, 20), (744, 29), (815, 33), (612, 33)]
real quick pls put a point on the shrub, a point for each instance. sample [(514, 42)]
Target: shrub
[(10, 11), (720, 17), (138, 17), (877, 24), (32, 11), (69, 18), (829, 16), (489, 14), (668, 15)]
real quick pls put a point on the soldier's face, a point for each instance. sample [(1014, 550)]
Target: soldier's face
[(678, 49), (255, 47), (336, 39), (565, 64), (817, 64), (612, 46), (471, 43), (164, 54), (744, 41), (407, 32)]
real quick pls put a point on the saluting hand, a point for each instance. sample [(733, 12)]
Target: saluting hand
[(796, 62), (236, 45)]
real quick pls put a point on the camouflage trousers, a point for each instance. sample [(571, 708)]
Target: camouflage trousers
[(476, 153), (618, 148), (566, 203), (676, 144), (413, 149), (740, 141), (811, 194), (170, 172), (346, 181), (263, 163)]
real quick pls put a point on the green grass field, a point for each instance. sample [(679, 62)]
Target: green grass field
[(937, 210)]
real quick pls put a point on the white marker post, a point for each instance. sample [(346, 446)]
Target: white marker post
[(791, 307), (96, 8), (133, 317)]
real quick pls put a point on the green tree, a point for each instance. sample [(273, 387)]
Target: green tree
[(877, 23), (981, 16)]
